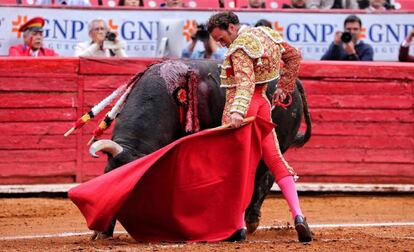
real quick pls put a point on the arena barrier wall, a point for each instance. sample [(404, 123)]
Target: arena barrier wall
[(362, 113)]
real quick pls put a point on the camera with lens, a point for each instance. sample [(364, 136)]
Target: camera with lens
[(346, 37), (202, 33), (110, 36)]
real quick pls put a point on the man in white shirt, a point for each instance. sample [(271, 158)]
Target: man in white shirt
[(102, 44)]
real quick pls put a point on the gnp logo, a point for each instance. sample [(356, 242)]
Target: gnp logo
[(314, 33), (113, 27), (139, 30), (17, 23), (389, 33), (61, 29), (305, 33), (55, 29), (277, 27), (363, 35), (190, 27)]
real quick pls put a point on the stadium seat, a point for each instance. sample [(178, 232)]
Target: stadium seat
[(110, 3), (94, 2), (153, 3), (202, 4), (8, 2), (105, 3), (188, 3), (270, 4), (23, 2), (404, 4)]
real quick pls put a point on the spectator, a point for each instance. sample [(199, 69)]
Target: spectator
[(363, 4), (136, 3), (296, 4), (64, 2), (347, 46), (173, 4), (405, 47), (379, 5), (319, 4), (256, 4), (33, 40), (221, 3), (211, 49), (103, 43), (263, 22), (345, 4)]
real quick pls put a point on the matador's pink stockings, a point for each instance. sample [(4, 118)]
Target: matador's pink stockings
[(288, 188)]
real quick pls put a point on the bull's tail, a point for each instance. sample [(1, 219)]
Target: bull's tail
[(300, 138)]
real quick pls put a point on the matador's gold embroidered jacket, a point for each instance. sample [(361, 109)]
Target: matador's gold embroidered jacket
[(253, 58)]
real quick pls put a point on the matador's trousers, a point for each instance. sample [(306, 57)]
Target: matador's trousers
[(271, 154)]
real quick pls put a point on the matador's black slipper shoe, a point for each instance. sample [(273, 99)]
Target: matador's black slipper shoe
[(304, 232)]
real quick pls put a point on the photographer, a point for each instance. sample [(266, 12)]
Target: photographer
[(211, 49), (347, 46), (103, 42)]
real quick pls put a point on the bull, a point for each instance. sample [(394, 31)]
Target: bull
[(150, 119)]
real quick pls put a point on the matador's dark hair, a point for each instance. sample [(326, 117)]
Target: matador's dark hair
[(222, 20)]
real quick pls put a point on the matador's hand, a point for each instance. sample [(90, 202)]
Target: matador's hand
[(279, 96), (236, 120)]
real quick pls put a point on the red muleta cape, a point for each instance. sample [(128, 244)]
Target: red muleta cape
[(194, 189)]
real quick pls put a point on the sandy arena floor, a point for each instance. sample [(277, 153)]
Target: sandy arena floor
[(44, 224)]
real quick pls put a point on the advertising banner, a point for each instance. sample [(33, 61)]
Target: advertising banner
[(312, 33)]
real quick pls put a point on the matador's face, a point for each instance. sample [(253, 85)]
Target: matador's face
[(225, 37)]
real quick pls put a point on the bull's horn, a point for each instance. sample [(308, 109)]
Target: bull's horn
[(105, 145)]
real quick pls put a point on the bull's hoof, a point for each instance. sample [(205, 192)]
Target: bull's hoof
[(252, 227), (99, 236)]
